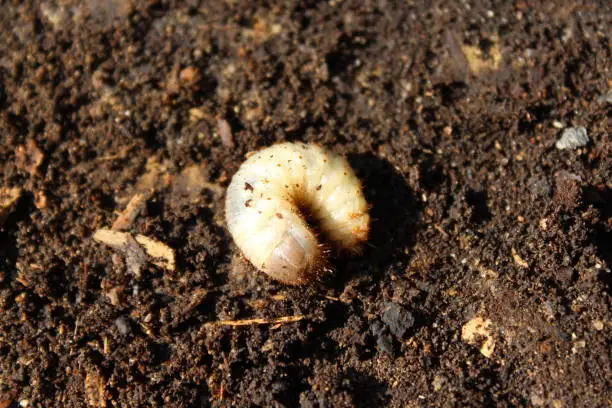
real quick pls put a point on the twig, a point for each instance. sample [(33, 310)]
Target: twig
[(248, 322)]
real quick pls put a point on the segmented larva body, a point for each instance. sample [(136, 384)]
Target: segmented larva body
[(278, 192)]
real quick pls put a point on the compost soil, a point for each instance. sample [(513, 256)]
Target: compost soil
[(487, 275)]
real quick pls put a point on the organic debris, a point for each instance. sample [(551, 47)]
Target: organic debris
[(477, 332), (225, 133), (29, 157), (480, 61), (248, 322), (8, 197), (518, 259), (136, 248), (131, 211), (95, 389), (162, 254)]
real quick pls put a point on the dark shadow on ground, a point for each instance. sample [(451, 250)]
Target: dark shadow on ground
[(395, 213)]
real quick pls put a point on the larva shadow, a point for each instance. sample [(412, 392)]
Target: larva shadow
[(394, 213)]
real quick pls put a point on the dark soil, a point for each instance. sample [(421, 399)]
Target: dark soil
[(449, 112)]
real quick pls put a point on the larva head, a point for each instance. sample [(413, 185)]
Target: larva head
[(297, 259)]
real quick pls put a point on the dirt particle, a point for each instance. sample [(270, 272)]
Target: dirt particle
[(480, 60), (29, 157), (8, 198), (189, 76), (598, 325), (518, 260), (397, 318), (478, 332), (225, 133), (7, 399)]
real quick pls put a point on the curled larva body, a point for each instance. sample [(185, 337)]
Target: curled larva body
[(274, 196)]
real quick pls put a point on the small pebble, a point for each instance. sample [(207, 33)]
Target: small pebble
[(438, 382), (572, 138), (598, 325), (123, 325), (225, 133), (398, 319)]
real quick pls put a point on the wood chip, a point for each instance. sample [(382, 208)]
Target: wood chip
[(8, 198), (249, 322), (124, 243), (135, 248), (131, 211), (162, 254), (29, 157), (95, 390), (225, 133), (477, 332), (518, 260)]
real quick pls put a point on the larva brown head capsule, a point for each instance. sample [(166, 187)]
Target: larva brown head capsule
[(269, 196)]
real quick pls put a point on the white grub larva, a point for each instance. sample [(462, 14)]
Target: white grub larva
[(278, 195)]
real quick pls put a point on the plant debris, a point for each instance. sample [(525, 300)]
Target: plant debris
[(477, 332), (225, 133), (249, 322), (131, 211), (29, 157), (480, 61), (136, 248), (8, 198), (95, 390)]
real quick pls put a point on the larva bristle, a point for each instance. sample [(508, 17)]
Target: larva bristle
[(291, 223)]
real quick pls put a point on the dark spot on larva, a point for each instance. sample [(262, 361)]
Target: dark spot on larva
[(297, 185), (284, 266), (345, 173), (286, 185), (289, 161), (301, 157), (278, 165), (279, 215), (324, 160), (271, 156), (266, 181), (247, 186), (319, 187), (247, 203), (269, 198), (259, 212)]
